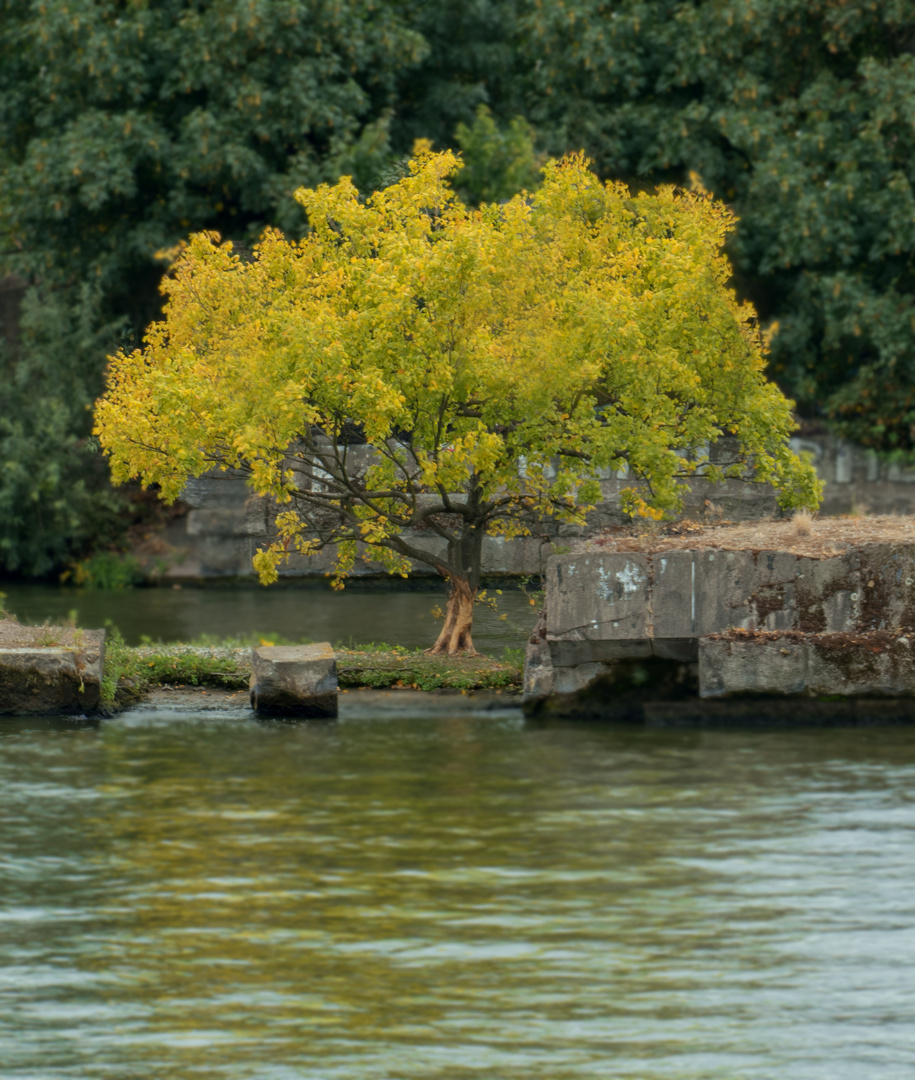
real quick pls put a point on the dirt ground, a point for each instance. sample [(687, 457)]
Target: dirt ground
[(817, 538)]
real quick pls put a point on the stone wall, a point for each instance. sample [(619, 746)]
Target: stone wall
[(857, 480), (609, 613), (226, 524)]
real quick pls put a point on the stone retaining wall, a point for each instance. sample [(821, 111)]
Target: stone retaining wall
[(816, 665), (620, 617), (226, 524), (857, 480)]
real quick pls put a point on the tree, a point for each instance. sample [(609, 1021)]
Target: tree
[(55, 498), (492, 362), (124, 125), (472, 59), (497, 162), (798, 114)]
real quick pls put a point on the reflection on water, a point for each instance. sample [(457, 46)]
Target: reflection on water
[(363, 612), (452, 897)]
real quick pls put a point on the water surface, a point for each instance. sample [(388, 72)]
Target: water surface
[(453, 896), (363, 612)]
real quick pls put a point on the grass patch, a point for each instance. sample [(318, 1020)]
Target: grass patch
[(114, 688), (176, 668), (131, 671), (385, 667)]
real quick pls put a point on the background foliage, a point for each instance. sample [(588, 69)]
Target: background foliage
[(800, 114), (127, 124)]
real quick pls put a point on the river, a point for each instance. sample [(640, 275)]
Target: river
[(408, 895), (397, 613)]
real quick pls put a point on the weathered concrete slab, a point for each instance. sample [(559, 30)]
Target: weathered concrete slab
[(886, 586), (828, 665), (294, 681), (862, 669), (598, 597), (753, 666), (723, 584), (53, 680), (606, 608), (673, 599)]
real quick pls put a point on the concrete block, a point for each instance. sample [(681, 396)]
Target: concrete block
[(724, 580), (598, 596), (861, 668), (773, 666), (819, 665), (216, 488), (821, 595), (225, 556), (673, 594), (250, 519), (830, 607), (771, 603), (886, 586), (521, 555), (255, 516), (53, 680), (294, 681)]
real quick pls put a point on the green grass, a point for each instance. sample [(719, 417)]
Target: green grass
[(385, 666), (130, 672)]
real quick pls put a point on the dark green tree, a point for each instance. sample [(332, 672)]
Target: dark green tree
[(797, 112), (472, 60), (54, 496), (498, 161), (125, 125)]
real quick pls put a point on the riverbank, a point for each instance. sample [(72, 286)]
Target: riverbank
[(355, 703), (132, 673)]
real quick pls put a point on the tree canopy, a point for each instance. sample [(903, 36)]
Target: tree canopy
[(800, 116), (126, 125), (495, 361)]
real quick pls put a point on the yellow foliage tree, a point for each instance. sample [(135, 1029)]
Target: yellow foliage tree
[(495, 362)]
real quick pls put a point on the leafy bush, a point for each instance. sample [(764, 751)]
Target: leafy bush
[(105, 570)]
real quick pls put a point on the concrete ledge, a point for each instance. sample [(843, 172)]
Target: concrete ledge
[(815, 665), (607, 609), (52, 680), (684, 594), (294, 681)]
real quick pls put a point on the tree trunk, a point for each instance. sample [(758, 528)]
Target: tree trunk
[(454, 639)]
